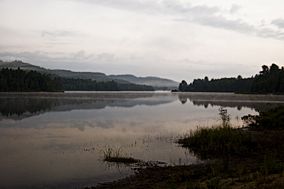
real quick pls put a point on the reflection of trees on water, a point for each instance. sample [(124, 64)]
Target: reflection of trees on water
[(17, 106), (255, 102), (182, 99), (10, 107)]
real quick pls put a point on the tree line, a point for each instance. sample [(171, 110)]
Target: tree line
[(70, 84), (269, 80), (18, 80)]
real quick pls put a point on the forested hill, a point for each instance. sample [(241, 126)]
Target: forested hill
[(269, 80), (159, 83), (18, 80), (156, 82)]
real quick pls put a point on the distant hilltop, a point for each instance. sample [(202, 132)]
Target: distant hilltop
[(156, 82)]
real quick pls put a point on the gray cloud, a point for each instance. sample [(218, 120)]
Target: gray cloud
[(235, 8), (199, 14), (46, 58), (155, 7), (222, 22), (278, 22), (58, 33), (60, 37), (237, 26), (267, 32), (101, 62), (125, 4)]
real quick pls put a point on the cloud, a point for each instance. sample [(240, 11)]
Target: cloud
[(267, 32), (278, 22), (211, 16), (224, 23), (238, 25), (235, 8), (132, 5), (45, 57), (77, 61), (58, 33), (155, 7)]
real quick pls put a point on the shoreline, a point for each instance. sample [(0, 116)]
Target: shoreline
[(233, 158)]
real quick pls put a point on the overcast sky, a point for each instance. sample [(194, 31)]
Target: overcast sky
[(177, 39)]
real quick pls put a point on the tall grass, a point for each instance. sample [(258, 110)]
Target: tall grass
[(219, 141), (115, 156), (225, 117)]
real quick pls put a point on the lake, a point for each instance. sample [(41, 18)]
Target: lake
[(57, 140)]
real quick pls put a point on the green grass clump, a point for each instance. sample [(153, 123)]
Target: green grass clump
[(219, 141), (115, 156)]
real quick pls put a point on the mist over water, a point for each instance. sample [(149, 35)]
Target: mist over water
[(56, 140)]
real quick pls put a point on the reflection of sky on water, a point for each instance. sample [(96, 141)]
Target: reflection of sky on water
[(62, 145)]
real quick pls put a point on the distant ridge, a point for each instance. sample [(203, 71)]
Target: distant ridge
[(19, 64), (156, 82), (152, 81)]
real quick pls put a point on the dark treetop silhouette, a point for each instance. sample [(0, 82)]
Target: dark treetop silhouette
[(269, 80), (18, 80)]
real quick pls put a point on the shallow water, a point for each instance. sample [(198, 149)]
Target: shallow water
[(56, 140)]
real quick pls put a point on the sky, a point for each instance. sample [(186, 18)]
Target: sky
[(176, 39)]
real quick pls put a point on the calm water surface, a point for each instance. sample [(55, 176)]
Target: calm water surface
[(56, 140)]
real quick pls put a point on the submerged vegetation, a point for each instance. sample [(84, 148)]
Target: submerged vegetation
[(269, 80), (116, 156), (248, 157)]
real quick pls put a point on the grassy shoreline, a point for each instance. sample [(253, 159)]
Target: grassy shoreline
[(235, 158)]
